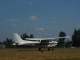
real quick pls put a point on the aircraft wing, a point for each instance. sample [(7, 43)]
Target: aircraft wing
[(39, 39)]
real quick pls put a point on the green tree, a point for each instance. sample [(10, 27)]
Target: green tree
[(31, 36), (61, 42), (24, 35), (68, 44), (76, 38), (8, 43)]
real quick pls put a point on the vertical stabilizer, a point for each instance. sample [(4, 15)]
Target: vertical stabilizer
[(17, 38)]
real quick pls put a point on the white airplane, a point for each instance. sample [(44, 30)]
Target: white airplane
[(33, 41)]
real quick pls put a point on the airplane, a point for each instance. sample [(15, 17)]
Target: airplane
[(52, 42)]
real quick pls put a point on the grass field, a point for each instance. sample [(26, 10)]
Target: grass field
[(34, 54)]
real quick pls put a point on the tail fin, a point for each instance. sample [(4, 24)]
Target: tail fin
[(16, 38)]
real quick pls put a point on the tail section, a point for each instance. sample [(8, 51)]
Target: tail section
[(17, 38)]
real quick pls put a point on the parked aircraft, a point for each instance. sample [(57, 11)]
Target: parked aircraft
[(52, 42)]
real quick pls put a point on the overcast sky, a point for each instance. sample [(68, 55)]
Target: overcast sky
[(40, 17)]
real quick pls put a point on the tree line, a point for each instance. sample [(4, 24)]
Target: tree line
[(74, 42), (62, 42)]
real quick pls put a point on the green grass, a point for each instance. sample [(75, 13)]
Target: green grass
[(34, 54)]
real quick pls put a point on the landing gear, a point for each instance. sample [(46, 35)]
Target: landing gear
[(40, 49), (50, 48)]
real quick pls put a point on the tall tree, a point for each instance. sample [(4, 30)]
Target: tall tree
[(61, 42), (76, 38)]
